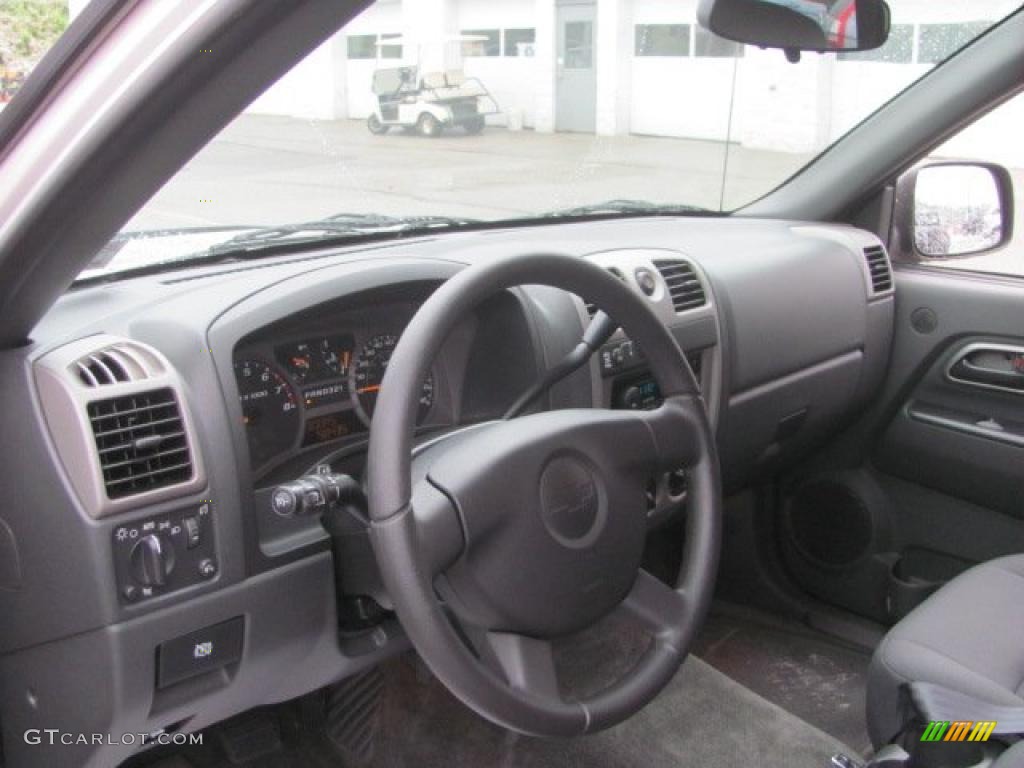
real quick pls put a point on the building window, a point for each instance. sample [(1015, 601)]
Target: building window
[(489, 45), (390, 51), (579, 45), (662, 39), (939, 41), (709, 45), (362, 46), (898, 49), (519, 42)]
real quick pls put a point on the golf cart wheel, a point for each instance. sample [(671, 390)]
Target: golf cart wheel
[(377, 128), (475, 126), (428, 126)]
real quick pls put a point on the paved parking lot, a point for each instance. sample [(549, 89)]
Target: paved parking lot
[(271, 170)]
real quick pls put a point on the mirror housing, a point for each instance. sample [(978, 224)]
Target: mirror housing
[(954, 209), (799, 25)]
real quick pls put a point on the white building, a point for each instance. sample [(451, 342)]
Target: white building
[(615, 67)]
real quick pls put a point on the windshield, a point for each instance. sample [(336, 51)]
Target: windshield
[(475, 111)]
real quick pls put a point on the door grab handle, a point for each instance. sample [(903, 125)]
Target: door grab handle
[(966, 424), (992, 366)]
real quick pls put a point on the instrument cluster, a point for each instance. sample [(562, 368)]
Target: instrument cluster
[(311, 389)]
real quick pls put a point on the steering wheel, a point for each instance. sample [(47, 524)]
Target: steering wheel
[(533, 528)]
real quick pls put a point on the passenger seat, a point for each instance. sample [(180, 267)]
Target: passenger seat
[(968, 637)]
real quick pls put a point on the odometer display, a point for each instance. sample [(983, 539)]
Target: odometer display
[(367, 373), (270, 409)]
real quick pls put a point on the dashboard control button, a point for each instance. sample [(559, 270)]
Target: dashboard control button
[(633, 399), (207, 568), (191, 532), (152, 560)]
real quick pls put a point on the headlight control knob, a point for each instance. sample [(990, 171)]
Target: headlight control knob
[(152, 560)]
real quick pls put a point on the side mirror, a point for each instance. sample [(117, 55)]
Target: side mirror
[(952, 209), (799, 25)]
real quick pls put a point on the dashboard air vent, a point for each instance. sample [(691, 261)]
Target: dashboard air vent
[(141, 442), (683, 284), (117, 364), (879, 269)]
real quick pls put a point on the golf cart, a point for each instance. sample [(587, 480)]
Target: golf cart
[(429, 102)]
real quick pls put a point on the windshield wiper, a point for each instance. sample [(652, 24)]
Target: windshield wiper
[(257, 242), (626, 208), (341, 225)]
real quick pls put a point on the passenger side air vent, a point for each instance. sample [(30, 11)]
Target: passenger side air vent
[(683, 284), (878, 268), (141, 442), (115, 364)]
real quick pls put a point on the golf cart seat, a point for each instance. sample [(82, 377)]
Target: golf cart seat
[(467, 86), (436, 84), (434, 80), (966, 638)]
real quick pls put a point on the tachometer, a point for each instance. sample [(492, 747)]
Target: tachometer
[(368, 372), (270, 409)]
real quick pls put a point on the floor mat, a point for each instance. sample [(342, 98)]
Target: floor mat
[(809, 674)]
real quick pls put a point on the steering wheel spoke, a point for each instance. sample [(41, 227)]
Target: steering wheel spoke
[(656, 607), (527, 663), (438, 529)]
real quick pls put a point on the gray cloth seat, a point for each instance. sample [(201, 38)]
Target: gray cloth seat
[(968, 637), (1011, 758)]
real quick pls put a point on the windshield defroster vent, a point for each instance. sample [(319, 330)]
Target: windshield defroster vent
[(116, 364), (878, 268), (684, 286), (141, 442)]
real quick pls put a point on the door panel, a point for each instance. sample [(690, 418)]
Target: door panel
[(951, 453), (576, 92)]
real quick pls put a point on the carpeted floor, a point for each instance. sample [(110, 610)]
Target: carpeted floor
[(809, 674), (703, 719)]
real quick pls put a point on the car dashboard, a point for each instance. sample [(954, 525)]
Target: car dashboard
[(159, 417)]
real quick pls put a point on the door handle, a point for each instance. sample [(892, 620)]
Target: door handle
[(993, 366)]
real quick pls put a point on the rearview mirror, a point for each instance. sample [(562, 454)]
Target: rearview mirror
[(959, 209), (799, 25)]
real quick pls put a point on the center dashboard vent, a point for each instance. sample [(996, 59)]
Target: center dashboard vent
[(684, 286), (141, 442), (878, 268)]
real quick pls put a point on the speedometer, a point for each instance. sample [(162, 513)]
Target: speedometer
[(270, 409), (367, 373)]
